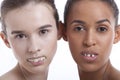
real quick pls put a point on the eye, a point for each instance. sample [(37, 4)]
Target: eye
[(79, 28), (102, 29), (20, 36), (43, 31)]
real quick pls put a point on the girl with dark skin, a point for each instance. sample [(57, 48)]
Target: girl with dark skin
[(91, 28)]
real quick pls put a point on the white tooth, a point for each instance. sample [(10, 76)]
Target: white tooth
[(35, 60), (88, 55), (93, 55), (42, 58), (85, 54), (31, 60)]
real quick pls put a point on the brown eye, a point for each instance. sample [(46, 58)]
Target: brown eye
[(102, 29), (20, 36), (43, 31), (80, 28)]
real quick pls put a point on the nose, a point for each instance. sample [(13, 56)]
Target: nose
[(89, 39), (33, 45)]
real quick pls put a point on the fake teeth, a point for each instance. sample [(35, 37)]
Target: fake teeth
[(36, 59), (89, 55)]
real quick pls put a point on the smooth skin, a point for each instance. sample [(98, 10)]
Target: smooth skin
[(32, 35), (91, 29)]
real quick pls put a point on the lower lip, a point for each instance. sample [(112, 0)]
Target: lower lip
[(89, 59), (37, 63)]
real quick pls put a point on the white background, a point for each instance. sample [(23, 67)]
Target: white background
[(62, 67)]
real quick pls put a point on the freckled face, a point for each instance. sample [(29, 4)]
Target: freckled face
[(32, 34), (90, 33)]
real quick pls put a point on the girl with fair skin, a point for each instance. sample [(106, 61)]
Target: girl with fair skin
[(30, 29), (90, 27)]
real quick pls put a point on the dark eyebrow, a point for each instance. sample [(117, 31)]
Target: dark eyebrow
[(45, 26), (16, 32), (42, 27), (104, 20), (78, 21)]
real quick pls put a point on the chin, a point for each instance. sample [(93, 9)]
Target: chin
[(88, 68)]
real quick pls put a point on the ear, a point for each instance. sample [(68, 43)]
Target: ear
[(117, 34), (64, 32), (5, 40), (60, 30)]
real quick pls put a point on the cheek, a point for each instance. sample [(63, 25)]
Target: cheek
[(19, 48), (50, 45), (105, 45), (74, 44)]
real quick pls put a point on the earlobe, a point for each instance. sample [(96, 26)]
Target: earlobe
[(4, 38), (117, 34)]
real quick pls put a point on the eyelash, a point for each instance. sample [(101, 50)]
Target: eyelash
[(20, 36), (43, 31), (79, 28), (102, 29)]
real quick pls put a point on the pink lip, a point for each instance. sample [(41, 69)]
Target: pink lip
[(89, 56), (37, 63)]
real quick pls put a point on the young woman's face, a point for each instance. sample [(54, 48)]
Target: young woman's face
[(32, 35), (90, 33)]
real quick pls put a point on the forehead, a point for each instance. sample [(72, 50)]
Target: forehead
[(30, 14), (89, 9), (31, 7)]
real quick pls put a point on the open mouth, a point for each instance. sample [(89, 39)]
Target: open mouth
[(89, 56), (37, 60)]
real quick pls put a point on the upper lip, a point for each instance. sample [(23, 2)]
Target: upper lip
[(34, 57)]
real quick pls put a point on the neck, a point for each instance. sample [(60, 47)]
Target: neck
[(27, 75), (101, 74)]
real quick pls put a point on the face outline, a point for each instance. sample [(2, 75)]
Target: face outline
[(90, 32), (32, 35)]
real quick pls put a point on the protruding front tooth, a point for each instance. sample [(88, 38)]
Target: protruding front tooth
[(88, 55), (42, 58), (85, 54), (37, 59), (93, 55)]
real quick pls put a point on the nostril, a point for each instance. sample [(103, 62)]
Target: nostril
[(89, 43), (33, 50)]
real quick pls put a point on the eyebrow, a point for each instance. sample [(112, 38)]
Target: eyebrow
[(17, 32), (45, 26), (104, 20), (77, 21), (20, 31), (98, 22)]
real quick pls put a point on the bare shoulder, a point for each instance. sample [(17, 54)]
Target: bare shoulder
[(115, 74), (6, 76), (11, 75)]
